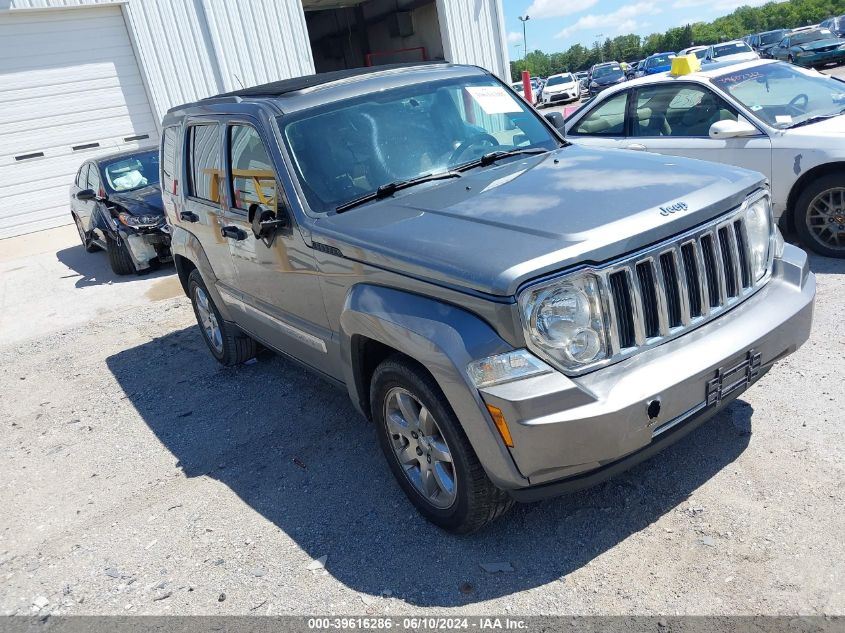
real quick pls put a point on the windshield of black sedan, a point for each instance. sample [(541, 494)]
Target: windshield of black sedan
[(607, 71), (132, 172), (783, 95), (772, 37), (348, 149)]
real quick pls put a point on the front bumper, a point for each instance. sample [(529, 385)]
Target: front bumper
[(570, 433), (826, 57), (147, 246), (565, 95)]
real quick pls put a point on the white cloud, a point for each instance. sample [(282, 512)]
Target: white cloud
[(514, 38), (557, 8), (622, 18)]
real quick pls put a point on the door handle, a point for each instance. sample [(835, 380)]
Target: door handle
[(233, 232), (637, 147), (187, 216)]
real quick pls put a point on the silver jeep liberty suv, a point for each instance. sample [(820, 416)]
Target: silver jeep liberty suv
[(519, 317)]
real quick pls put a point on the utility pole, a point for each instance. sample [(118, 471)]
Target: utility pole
[(524, 19), (601, 47)]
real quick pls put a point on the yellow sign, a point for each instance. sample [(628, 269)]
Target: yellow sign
[(685, 65)]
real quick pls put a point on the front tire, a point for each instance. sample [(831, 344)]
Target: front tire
[(820, 216), (225, 342), (428, 452), (119, 258)]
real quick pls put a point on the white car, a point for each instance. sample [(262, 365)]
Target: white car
[(733, 51), (772, 117), (560, 88), (698, 51)]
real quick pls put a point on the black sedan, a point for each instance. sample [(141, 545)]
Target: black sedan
[(117, 207)]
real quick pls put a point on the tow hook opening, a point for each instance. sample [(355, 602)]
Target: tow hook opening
[(653, 409)]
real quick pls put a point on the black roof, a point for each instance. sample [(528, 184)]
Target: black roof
[(285, 86)]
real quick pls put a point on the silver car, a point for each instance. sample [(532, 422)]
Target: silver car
[(519, 317)]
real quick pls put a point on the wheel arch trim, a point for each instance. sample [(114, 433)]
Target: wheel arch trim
[(444, 339)]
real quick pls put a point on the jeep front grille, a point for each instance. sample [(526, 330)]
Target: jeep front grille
[(675, 286)]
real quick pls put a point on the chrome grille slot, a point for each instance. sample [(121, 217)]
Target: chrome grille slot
[(742, 247), (670, 280), (711, 271), (691, 273), (669, 288), (623, 309), (645, 277)]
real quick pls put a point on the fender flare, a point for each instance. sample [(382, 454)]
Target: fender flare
[(185, 244), (444, 339)]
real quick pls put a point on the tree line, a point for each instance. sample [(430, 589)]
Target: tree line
[(630, 48)]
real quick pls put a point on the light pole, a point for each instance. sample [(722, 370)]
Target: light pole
[(524, 19), (601, 48)]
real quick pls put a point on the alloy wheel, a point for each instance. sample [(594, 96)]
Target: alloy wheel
[(420, 447), (825, 218), (208, 320)]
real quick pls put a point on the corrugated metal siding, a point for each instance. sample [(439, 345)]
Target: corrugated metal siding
[(270, 44), (473, 33), (190, 49)]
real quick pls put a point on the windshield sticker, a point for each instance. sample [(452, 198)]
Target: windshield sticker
[(783, 118), (493, 99)]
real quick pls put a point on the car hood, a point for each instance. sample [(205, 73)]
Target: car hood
[(498, 227), (824, 129), (814, 46), (143, 201), (560, 87)]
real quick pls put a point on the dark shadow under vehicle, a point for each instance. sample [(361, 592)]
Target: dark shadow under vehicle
[(95, 271), (294, 449)]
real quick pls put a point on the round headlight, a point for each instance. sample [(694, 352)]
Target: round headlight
[(560, 312), (566, 321), (758, 230)]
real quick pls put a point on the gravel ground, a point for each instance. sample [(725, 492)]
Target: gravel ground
[(138, 476)]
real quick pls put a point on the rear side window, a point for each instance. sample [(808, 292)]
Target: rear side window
[(82, 177), (204, 162), (168, 160), (253, 180)]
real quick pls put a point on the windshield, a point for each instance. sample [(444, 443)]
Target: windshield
[(560, 79), (659, 60), (772, 37), (733, 48), (607, 71), (132, 172), (348, 149), (782, 95), (810, 36)]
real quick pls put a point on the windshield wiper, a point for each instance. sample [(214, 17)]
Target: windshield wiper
[(491, 157), (816, 119), (388, 189)]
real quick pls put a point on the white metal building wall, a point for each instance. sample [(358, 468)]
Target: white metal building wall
[(474, 33), (190, 49)]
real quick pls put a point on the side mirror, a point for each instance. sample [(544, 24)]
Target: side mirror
[(556, 119), (86, 194), (732, 129), (265, 223)]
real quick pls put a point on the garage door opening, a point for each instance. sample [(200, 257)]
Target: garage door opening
[(353, 34)]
